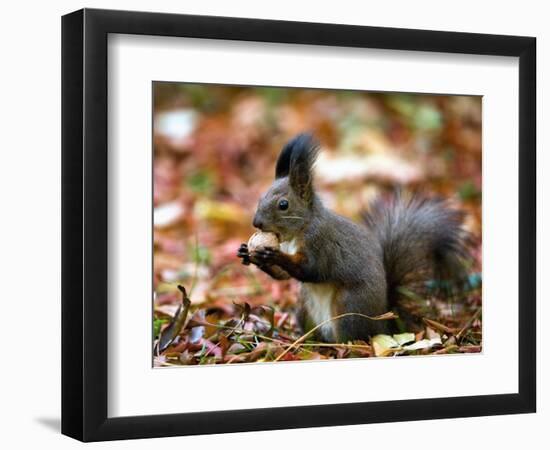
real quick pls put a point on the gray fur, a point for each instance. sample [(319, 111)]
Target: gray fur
[(365, 264), (419, 236)]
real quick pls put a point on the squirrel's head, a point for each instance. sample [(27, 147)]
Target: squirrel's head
[(286, 208)]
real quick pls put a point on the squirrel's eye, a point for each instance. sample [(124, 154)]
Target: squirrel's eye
[(283, 204)]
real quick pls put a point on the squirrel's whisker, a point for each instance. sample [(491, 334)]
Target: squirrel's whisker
[(292, 217)]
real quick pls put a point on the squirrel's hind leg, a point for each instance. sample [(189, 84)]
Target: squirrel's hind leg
[(353, 327)]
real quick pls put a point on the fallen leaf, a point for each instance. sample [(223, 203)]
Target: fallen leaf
[(422, 345), (383, 344), (403, 338), (176, 324)]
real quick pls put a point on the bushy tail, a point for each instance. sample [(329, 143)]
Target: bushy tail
[(422, 239)]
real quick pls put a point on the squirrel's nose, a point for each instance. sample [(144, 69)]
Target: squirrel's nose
[(257, 223)]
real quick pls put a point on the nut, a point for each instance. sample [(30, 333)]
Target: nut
[(261, 240)]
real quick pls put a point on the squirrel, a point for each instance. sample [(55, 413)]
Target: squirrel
[(343, 266)]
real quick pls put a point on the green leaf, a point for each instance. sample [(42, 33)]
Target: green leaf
[(201, 182), (468, 191), (157, 324)]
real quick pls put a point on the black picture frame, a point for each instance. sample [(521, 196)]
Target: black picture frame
[(84, 224)]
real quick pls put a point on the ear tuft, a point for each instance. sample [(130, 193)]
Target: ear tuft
[(303, 148), (296, 161)]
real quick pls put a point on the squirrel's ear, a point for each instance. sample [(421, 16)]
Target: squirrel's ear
[(302, 157)]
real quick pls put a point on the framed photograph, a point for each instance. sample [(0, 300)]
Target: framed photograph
[(273, 224)]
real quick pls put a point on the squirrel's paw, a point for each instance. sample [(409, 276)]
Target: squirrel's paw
[(265, 256), (243, 254)]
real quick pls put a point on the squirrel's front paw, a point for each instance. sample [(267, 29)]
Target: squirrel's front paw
[(266, 256), (243, 254)]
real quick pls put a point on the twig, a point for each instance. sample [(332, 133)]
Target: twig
[(468, 324), (210, 349), (386, 316), (324, 344), (276, 341), (438, 326)]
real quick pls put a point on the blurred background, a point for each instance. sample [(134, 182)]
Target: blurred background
[(215, 149)]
